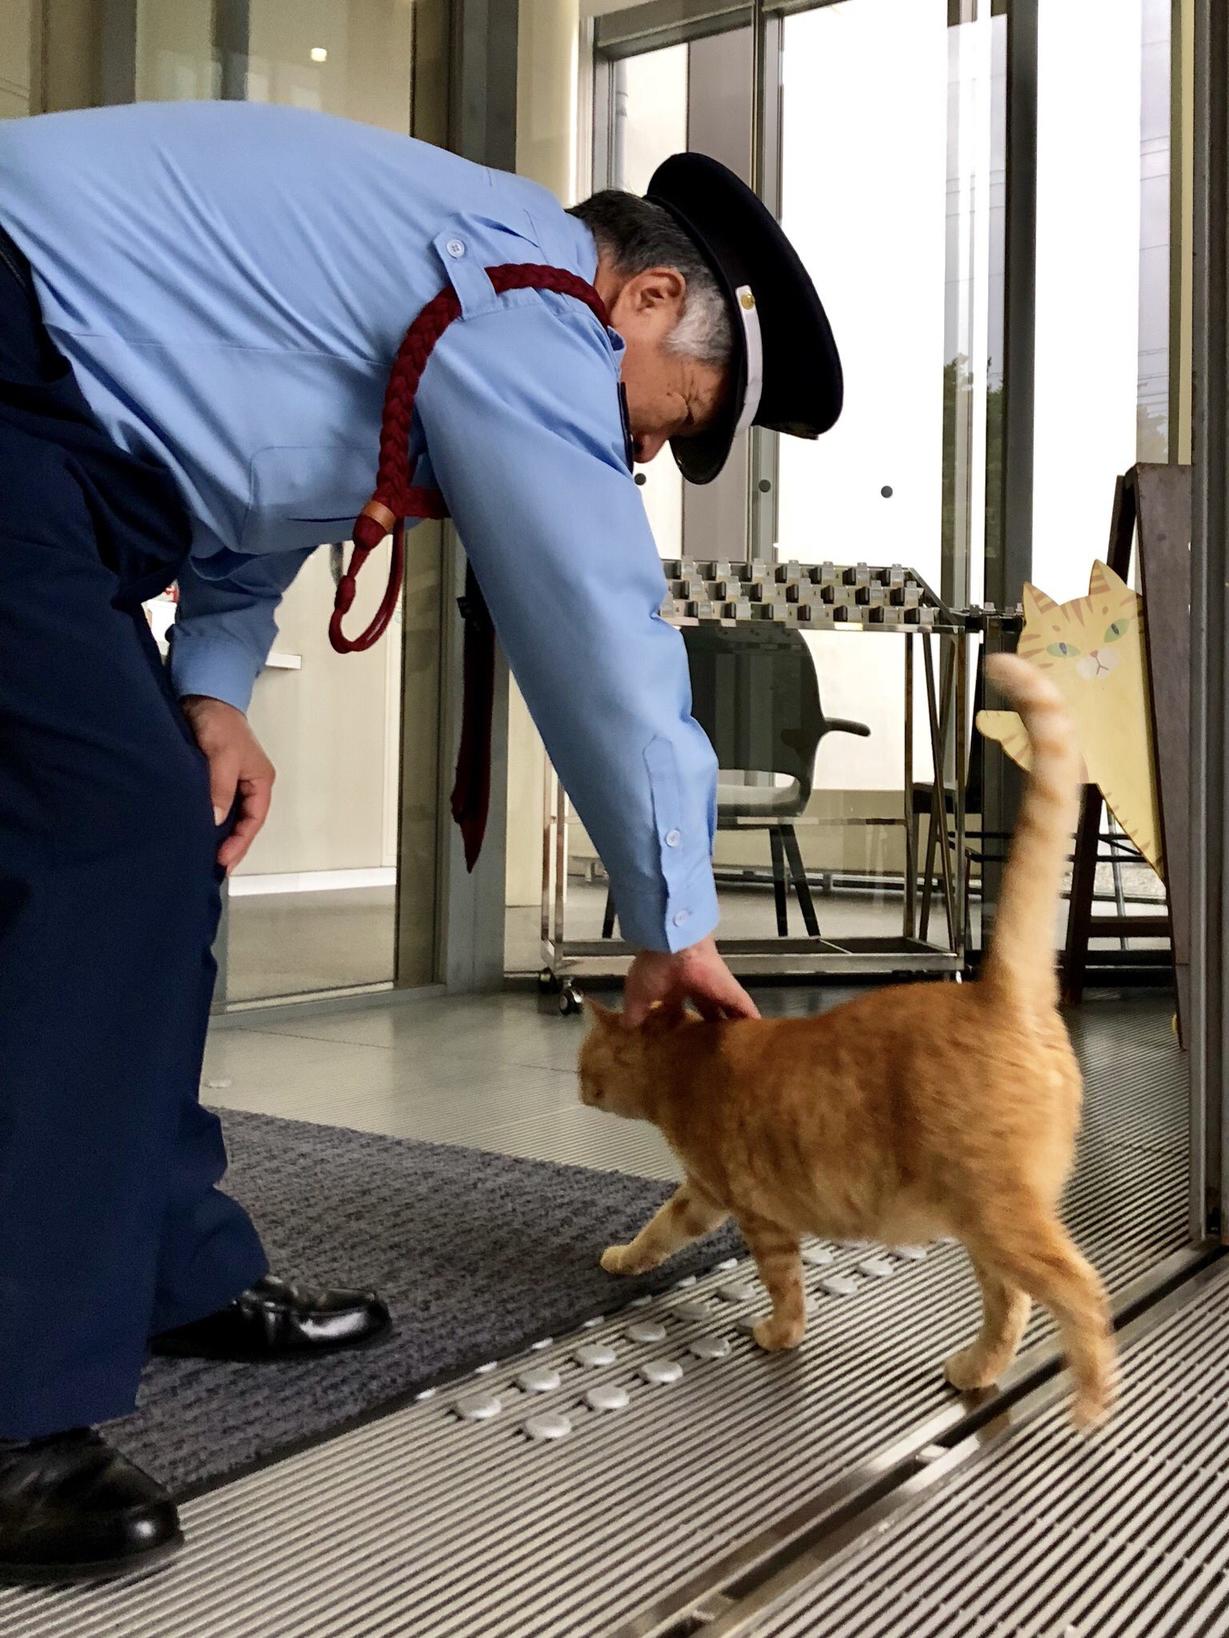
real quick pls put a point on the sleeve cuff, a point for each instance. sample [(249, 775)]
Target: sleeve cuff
[(214, 667), (689, 914)]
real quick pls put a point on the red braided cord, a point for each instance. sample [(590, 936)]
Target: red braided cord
[(396, 494)]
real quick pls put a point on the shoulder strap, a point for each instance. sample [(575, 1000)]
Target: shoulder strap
[(396, 495)]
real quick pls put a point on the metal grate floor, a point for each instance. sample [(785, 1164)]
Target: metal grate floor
[(1045, 1535), (429, 1524)]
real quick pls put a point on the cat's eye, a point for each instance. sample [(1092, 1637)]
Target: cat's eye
[(1063, 651), (1115, 630)]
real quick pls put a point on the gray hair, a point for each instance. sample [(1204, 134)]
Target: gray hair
[(637, 235)]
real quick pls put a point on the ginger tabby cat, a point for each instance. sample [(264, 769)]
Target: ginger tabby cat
[(912, 1112)]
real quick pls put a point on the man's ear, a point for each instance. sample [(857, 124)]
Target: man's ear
[(657, 287)]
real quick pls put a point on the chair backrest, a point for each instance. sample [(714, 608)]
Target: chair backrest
[(756, 695)]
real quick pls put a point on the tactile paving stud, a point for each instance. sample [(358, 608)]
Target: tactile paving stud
[(541, 1347), (594, 1354), (748, 1322), (646, 1331), (709, 1347), (694, 1308), (478, 1407), (817, 1256), (485, 1370), (738, 1291), (688, 1279), (608, 1397), (550, 1425), (641, 1302), (661, 1371), (840, 1285), (725, 1266), (880, 1267), (426, 1393), (912, 1254), (592, 1324), (539, 1379)]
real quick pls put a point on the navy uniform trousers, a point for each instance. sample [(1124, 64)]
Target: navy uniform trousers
[(111, 1224)]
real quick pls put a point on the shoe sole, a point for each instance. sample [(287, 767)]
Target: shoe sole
[(112, 1569)]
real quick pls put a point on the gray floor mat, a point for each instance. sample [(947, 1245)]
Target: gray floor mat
[(479, 1255)]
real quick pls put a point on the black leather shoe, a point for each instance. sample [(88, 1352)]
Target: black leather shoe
[(73, 1509), (277, 1320)]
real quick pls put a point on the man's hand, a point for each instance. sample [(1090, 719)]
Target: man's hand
[(697, 974), (237, 767)]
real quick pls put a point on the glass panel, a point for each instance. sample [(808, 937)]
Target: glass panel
[(312, 907), (650, 125), (892, 193), (1154, 232), (1103, 305), (1089, 278)]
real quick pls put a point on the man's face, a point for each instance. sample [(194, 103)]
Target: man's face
[(668, 394)]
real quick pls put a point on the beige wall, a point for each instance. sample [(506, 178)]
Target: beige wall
[(15, 58)]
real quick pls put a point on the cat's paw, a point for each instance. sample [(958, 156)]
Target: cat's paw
[(1094, 1400), (969, 1370), (773, 1334), (620, 1260)]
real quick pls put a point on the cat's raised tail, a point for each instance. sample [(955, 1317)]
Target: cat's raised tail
[(1020, 963)]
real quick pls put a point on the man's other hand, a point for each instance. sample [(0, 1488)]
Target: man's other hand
[(238, 767)]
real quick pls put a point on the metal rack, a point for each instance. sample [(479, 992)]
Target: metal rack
[(893, 601)]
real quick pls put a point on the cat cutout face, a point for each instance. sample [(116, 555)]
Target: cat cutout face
[(1097, 634), (1092, 649)]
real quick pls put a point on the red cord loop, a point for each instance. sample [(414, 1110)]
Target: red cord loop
[(396, 496)]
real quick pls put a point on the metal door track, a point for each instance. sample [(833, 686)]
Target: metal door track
[(1041, 1531)]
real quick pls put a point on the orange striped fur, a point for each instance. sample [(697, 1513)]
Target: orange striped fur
[(907, 1114)]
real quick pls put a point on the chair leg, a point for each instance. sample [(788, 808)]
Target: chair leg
[(802, 887), (928, 874), (608, 916), (778, 882)]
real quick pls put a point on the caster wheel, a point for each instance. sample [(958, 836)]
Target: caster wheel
[(548, 984), (569, 1000)]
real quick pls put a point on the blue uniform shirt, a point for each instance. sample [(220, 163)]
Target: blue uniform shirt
[(231, 283)]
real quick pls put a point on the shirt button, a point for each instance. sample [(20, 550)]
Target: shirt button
[(673, 838), (682, 917), (455, 247)]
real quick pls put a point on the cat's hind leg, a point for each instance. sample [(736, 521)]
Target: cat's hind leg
[(1035, 1252), (777, 1256), (688, 1215), (1005, 1311)]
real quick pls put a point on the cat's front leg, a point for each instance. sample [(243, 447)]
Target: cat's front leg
[(777, 1256), (688, 1215)]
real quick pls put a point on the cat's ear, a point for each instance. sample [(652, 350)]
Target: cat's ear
[(1036, 603), (1103, 582), (601, 1017), (664, 1016)]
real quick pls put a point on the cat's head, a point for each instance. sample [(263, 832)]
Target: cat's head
[(620, 1068), (1086, 633)]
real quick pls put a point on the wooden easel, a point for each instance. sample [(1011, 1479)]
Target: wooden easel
[(1155, 502)]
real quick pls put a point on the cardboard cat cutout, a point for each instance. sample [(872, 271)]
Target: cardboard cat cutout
[(1092, 649)]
